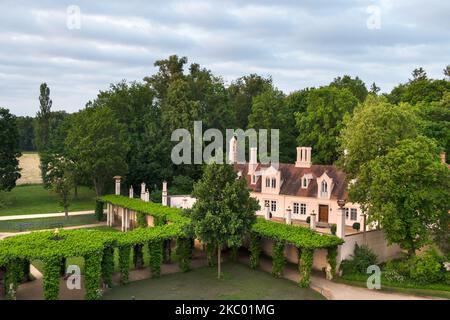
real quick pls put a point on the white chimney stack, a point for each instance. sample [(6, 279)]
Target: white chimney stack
[(143, 191), (253, 163), (303, 157), (164, 194), (232, 157), (131, 192), (117, 179)]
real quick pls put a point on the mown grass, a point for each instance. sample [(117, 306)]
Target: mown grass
[(46, 223), (32, 199), (238, 282)]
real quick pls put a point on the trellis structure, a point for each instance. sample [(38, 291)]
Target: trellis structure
[(97, 248)]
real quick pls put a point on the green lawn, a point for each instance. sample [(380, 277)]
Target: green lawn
[(441, 290), (239, 282), (46, 223), (30, 199)]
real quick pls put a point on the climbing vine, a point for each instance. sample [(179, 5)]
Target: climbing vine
[(155, 249), (141, 220), (99, 210), (138, 256), (124, 262), (255, 250), (278, 260), (13, 276), (331, 258), (183, 253), (52, 269), (305, 266), (108, 265), (92, 276)]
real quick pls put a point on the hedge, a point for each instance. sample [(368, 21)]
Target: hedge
[(98, 246)]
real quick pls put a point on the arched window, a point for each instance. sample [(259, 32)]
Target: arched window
[(324, 187), (274, 183)]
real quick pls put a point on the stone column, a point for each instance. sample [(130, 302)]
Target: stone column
[(340, 226), (143, 191), (164, 194), (267, 212), (117, 179), (108, 216), (131, 192), (312, 221), (289, 216), (147, 196), (122, 213)]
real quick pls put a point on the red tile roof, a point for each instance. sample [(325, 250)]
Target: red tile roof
[(291, 177)]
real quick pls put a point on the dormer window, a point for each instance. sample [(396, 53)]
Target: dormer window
[(305, 183), (274, 183), (267, 182)]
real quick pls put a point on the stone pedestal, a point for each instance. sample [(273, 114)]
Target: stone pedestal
[(164, 194), (312, 221), (131, 192), (143, 191), (340, 226), (117, 179), (267, 212), (289, 216)]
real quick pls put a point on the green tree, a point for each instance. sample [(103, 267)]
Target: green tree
[(97, 144), (356, 86), (241, 93), (9, 151), (270, 111), (224, 211), (374, 89), (60, 178), (436, 120), (374, 127), (43, 116), (406, 191), (419, 89), (25, 125), (320, 125)]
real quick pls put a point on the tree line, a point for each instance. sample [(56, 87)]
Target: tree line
[(126, 131)]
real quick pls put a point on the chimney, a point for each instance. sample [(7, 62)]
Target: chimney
[(232, 157), (303, 157), (117, 179), (443, 157), (253, 163), (143, 191), (164, 194)]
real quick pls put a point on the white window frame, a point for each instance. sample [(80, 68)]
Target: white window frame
[(274, 183), (273, 204), (267, 182), (303, 208), (296, 208), (353, 214)]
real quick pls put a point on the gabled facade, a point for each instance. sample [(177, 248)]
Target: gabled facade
[(303, 188)]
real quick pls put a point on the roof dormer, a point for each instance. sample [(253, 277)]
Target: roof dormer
[(324, 186), (306, 179), (271, 180)]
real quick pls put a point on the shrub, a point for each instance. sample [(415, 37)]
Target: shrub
[(393, 275), (427, 268), (333, 229), (99, 210), (356, 226), (278, 260), (362, 258)]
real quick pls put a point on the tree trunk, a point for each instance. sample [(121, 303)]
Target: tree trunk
[(75, 191), (219, 251), (66, 212)]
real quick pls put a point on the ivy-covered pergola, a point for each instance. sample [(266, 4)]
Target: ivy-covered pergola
[(97, 248)]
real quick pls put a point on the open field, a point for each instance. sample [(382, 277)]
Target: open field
[(239, 282), (31, 199), (46, 223), (30, 170)]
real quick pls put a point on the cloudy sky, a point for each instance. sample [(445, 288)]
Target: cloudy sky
[(300, 43)]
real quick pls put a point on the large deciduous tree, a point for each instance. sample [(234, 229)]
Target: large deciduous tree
[(97, 143), (406, 191), (241, 93), (9, 151), (320, 125), (356, 86), (374, 127), (224, 211), (60, 178)]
